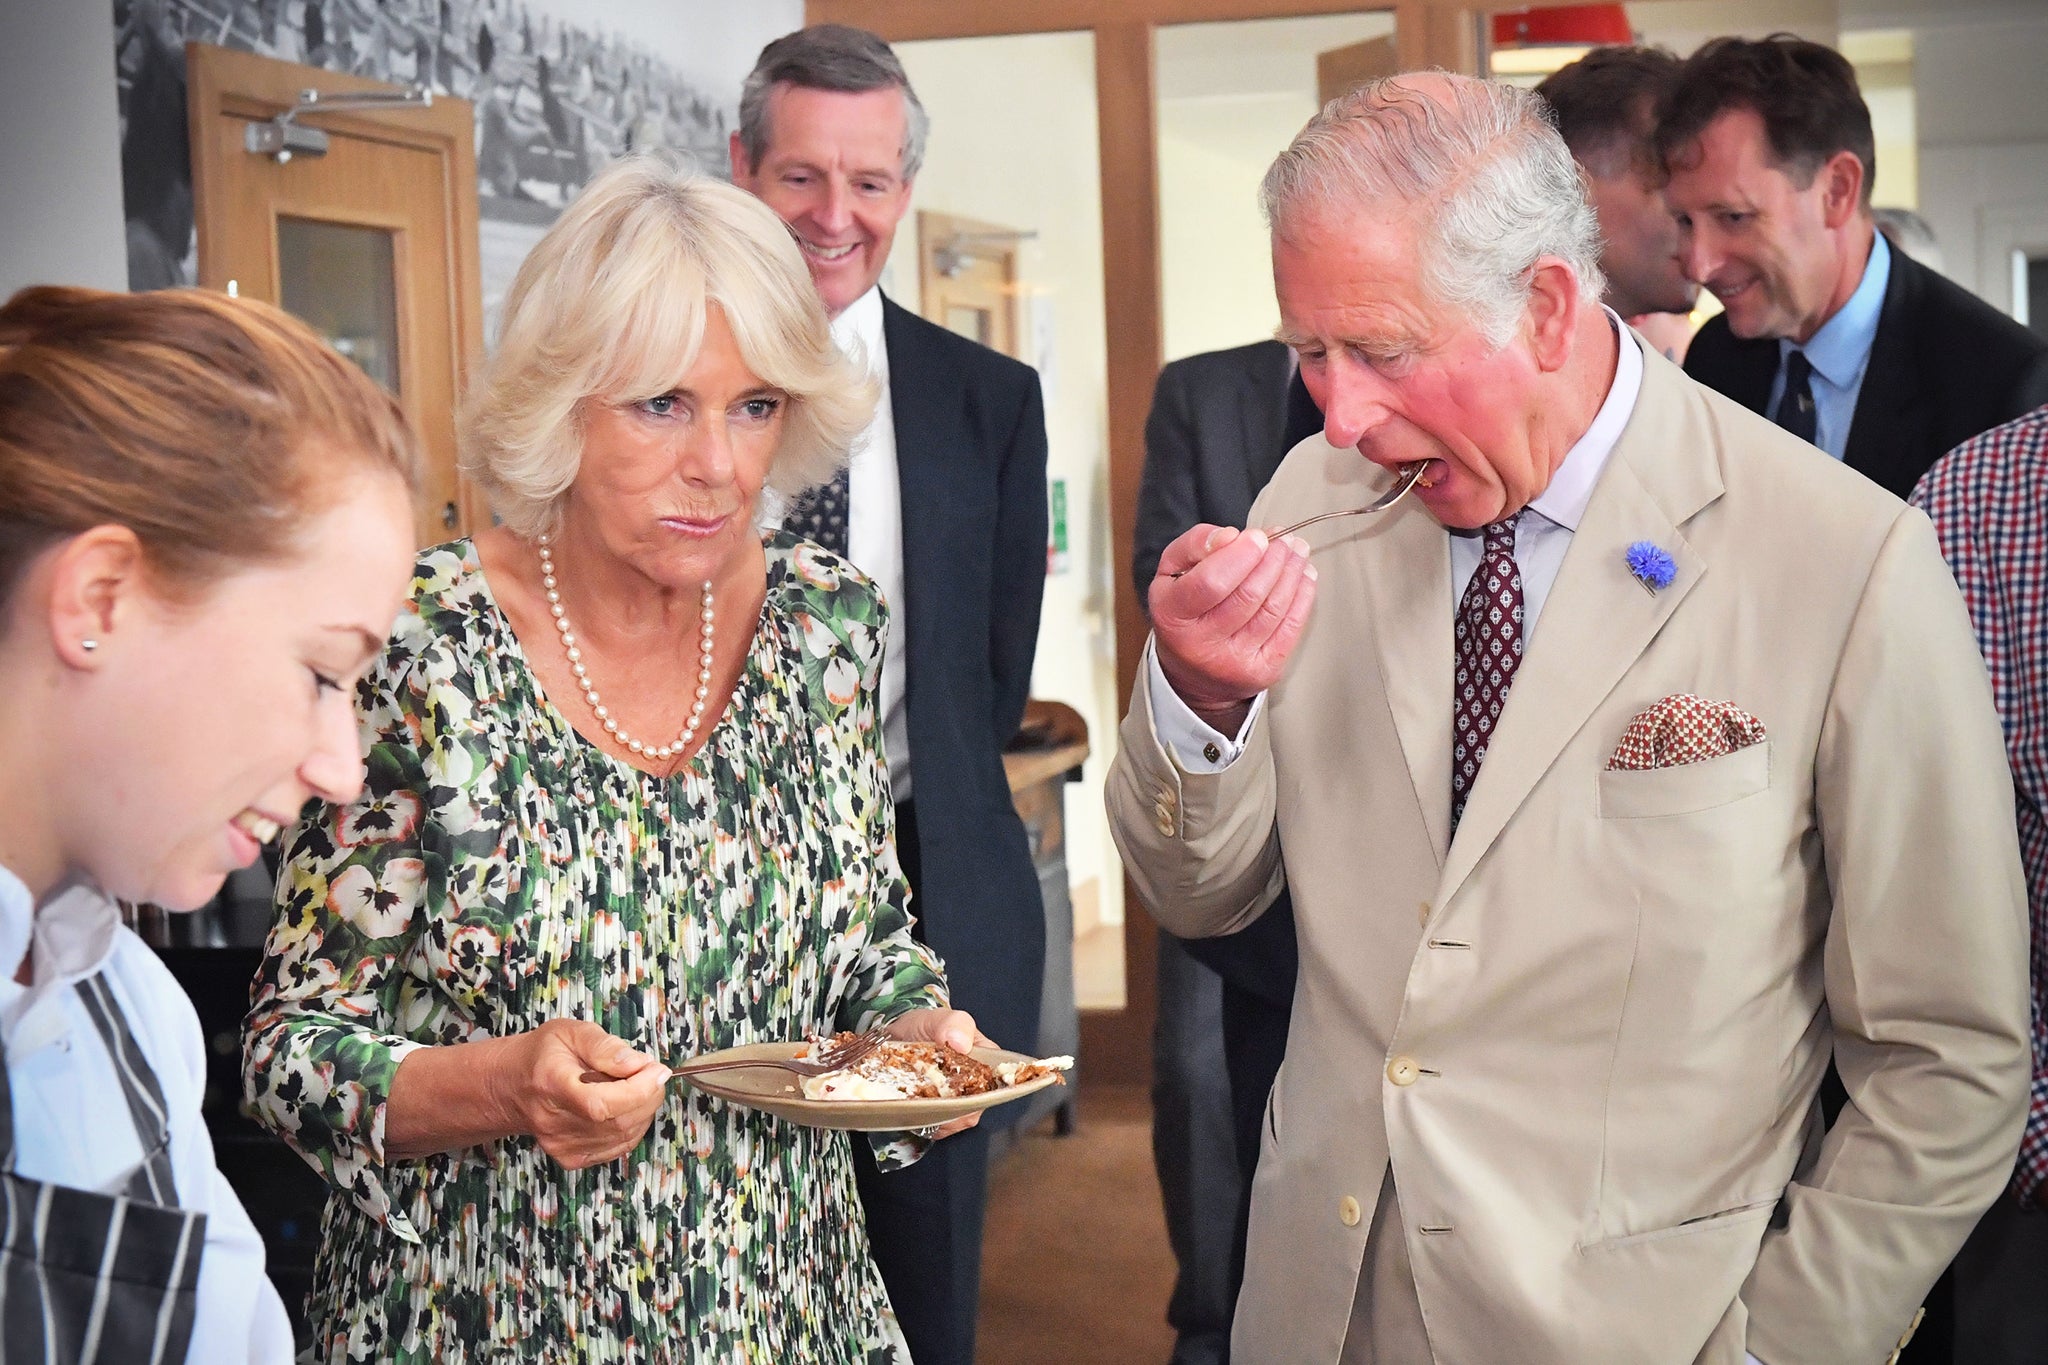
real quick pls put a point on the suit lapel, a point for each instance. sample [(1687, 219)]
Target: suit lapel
[(1759, 373), (1741, 370), (1405, 585), (914, 398), (1598, 619), (1890, 421)]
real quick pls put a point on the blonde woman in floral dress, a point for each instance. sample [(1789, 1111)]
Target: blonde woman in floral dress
[(626, 802)]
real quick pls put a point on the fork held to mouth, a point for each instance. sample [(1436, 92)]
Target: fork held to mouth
[(1410, 476)]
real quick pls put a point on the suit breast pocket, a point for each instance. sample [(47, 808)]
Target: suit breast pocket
[(1642, 794), (1707, 848)]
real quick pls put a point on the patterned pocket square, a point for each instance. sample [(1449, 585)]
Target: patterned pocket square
[(1684, 729)]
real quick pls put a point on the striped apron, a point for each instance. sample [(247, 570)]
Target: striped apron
[(99, 1279)]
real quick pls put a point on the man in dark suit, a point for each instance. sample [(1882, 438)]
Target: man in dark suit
[(1841, 340), (944, 506), (1829, 331), (1220, 424)]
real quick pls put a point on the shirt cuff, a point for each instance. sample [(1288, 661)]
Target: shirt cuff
[(1194, 745)]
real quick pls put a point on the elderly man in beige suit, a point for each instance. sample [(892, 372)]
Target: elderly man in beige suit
[(1637, 764)]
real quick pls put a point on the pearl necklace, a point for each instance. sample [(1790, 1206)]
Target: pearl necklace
[(590, 694)]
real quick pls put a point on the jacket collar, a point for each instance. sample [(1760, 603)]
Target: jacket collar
[(1599, 618), (1596, 623)]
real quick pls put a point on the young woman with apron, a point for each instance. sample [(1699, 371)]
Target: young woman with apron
[(99, 1277), (205, 535)]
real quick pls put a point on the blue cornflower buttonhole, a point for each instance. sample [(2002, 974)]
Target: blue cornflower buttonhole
[(1652, 567)]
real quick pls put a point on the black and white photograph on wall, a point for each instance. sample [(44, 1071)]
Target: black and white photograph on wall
[(561, 87)]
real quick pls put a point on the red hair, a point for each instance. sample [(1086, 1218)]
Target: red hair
[(208, 425)]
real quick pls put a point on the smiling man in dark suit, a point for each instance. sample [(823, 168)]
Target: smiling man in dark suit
[(1855, 347), (944, 505)]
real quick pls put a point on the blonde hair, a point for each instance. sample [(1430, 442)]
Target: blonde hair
[(1481, 165), (208, 425), (611, 304)]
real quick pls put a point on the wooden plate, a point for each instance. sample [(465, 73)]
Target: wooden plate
[(779, 1092)]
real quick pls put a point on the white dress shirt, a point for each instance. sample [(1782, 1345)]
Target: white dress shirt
[(874, 521), (71, 1120), (1541, 540), (1840, 355)]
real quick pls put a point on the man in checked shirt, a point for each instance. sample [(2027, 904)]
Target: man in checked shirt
[(1988, 499)]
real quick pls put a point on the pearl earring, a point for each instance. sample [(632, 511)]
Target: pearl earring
[(88, 645)]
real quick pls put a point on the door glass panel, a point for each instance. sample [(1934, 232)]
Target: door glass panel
[(340, 278), (1005, 246), (971, 323)]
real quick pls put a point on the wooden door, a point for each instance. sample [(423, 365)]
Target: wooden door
[(374, 243), (967, 277)]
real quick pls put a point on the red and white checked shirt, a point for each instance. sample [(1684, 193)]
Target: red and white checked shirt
[(1988, 499)]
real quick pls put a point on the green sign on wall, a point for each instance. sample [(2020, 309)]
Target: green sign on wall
[(1056, 554)]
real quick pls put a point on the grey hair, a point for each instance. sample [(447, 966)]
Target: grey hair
[(829, 57), (1494, 184)]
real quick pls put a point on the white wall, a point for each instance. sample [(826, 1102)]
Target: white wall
[(1894, 128), (1215, 263), (1984, 144), (60, 163), (1231, 97), (1014, 143)]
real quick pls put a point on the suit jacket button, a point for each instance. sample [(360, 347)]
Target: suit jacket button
[(1211, 752), (1348, 1212), (1402, 1071), (1422, 911)]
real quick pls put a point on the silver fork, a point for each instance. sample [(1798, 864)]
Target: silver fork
[(1387, 499), (834, 1058)]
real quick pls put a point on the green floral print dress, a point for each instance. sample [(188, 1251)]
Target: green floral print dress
[(499, 871)]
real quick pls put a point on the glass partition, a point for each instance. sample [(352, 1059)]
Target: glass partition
[(1005, 245), (339, 277)]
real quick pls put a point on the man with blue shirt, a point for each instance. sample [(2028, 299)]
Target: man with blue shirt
[(1837, 338)]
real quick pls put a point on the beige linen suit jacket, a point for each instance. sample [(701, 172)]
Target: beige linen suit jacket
[(1588, 1032)]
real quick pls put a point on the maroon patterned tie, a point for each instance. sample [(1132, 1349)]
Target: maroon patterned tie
[(1489, 650)]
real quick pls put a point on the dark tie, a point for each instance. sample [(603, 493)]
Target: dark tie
[(1795, 409), (1489, 650), (820, 514)]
